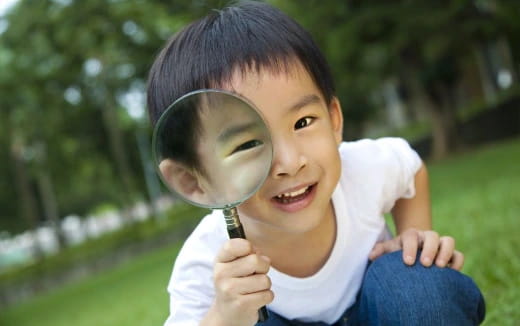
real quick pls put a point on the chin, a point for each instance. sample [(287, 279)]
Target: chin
[(307, 221)]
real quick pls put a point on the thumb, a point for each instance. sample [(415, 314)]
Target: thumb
[(377, 251)]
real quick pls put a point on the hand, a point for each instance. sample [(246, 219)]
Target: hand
[(435, 249), (241, 284)]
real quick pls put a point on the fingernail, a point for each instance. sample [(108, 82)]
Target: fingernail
[(426, 261), (409, 260), (441, 263)]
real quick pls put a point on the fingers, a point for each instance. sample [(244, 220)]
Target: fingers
[(410, 241), (434, 249), (234, 249), (446, 251), (237, 258), (243, 266), (377, 251), (440, 250), (249, 304), (384, 247), (245, 285), (457, 260), (241, 282), (430, 247), (238, 299)]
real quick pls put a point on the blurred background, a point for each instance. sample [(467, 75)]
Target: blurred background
[(87, 233)]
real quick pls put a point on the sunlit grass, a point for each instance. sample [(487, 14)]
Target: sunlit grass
[(131, 294), (476, 199)]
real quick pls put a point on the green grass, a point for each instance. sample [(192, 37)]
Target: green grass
[(476, 199), (132, 294)]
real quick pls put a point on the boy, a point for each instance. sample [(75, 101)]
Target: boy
[(318, 219)]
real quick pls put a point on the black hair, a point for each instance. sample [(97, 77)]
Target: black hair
[(247, 35), (177, 132)]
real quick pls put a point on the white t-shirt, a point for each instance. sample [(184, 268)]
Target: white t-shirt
[(375, 173)]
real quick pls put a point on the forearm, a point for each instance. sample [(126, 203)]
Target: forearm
[(414, 212)]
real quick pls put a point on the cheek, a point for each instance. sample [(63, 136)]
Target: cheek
[(336, 167), (246, 176), (244, 181), (335, 152), (330, 161), (250, 209)]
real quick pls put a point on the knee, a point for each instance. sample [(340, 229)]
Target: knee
[(430, 292)]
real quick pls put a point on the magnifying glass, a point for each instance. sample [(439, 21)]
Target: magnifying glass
[(213, 149)]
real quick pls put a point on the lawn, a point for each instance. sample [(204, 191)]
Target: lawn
[(132, 294), (476, 199)]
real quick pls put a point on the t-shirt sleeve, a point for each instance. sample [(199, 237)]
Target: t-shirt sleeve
[(399, 170), (191, 285)]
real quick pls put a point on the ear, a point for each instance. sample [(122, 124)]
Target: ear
[(336, 119), (182, 180)]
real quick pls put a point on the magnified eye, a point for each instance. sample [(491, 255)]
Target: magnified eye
[(247, 145), (303, 122)]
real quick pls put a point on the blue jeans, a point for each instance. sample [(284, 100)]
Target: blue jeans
[(393, 293)]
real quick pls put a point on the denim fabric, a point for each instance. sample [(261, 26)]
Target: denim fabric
[(393, 293)]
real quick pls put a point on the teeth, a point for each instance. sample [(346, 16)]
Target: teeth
[(293, 194)]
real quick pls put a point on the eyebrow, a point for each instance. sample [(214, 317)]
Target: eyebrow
[(304, 101), (231, 132)]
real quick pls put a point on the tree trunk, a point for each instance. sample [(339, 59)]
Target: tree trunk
[(28, 206), (152, 183), (444, 120), (118, 150), (442, 132), (50, 205), (487, 73), (504, 49)]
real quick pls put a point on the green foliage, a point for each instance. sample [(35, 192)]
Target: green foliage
[(64, 66), (420, 45)]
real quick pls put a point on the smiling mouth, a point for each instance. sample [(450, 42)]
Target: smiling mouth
[(290, 197)]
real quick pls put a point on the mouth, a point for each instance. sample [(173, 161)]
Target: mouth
[(295, 200), (290, 197)]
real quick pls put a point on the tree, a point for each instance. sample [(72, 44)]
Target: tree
[(64, 66), (423, 43)]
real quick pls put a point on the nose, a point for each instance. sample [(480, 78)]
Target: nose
[(288, 158)]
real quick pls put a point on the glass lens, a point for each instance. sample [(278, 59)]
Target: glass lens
[(212, 148)]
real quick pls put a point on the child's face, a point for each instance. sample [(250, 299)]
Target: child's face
[(305, 133)]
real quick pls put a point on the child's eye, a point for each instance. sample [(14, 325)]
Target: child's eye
[(303, 122), (247, 145)]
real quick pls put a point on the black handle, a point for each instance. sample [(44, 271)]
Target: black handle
[(262, 314), (238, 232)]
